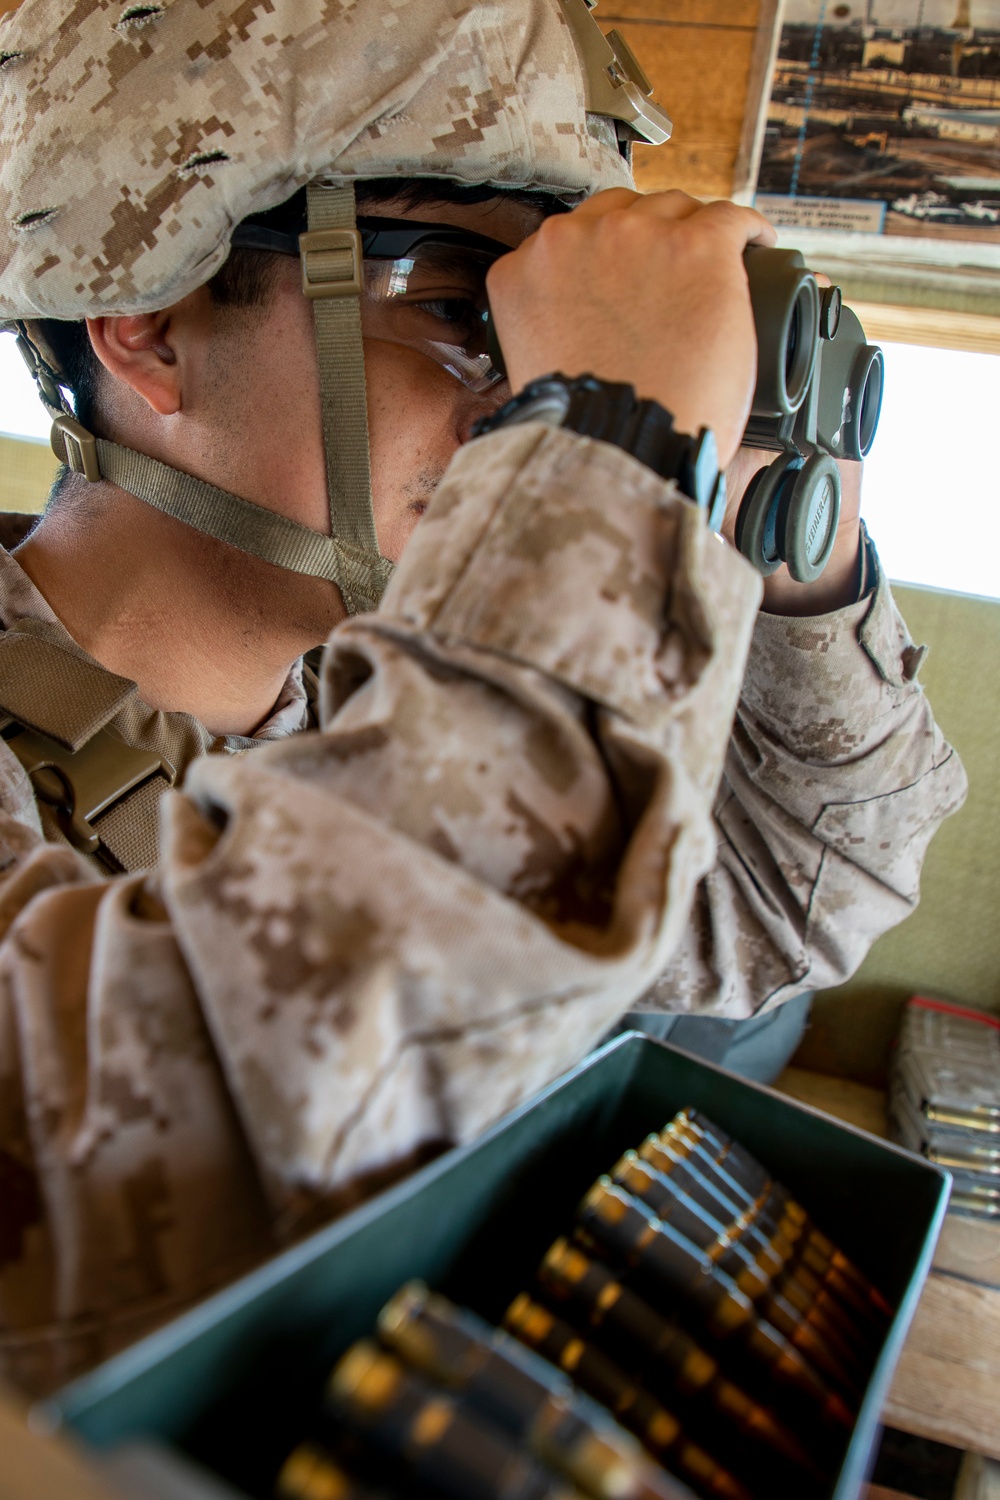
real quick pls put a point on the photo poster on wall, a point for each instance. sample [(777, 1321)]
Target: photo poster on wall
[(884, 118)]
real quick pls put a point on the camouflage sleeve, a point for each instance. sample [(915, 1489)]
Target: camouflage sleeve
[(835, 781), (370, 940)]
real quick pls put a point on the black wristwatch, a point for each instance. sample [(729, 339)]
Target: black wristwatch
[(608, 411)]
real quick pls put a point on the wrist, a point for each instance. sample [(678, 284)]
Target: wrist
[(838, 585), (611, 412)]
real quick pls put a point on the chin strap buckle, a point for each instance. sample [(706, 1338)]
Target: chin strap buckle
[(331, 263), (74, 446)]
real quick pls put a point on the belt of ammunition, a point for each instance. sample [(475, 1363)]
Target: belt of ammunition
[(668, 1359), (789, 1370), (771, 1251), (863, 1308), (673, 1266), (801, 1325), (628, 1228), (447, 1448), (657, 1428), (460, 1351), (524, 1394), (802, 1333), (720, 1241), (744, 1168), (631, 1328), (764, 1208), (831, 1319)]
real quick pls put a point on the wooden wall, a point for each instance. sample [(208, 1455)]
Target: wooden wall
[(709, 61)]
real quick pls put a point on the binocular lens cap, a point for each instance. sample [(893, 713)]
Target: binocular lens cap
[(790, 514), (812, 514)]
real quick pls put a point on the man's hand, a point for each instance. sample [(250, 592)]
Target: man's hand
[(837, 585), (648, 289)]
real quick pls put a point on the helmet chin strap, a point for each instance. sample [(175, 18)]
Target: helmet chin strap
[(349, 556), (332, 273)]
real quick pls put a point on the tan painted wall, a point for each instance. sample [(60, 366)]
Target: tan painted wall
[(26, 473)]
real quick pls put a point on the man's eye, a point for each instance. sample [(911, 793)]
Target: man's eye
[(456, 312)]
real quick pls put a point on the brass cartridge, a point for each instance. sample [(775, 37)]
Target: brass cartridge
[(810, 1298), (630, 1230), (804, 1329), (667, 1156), (311, 1473)]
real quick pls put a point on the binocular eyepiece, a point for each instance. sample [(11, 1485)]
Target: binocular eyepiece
[(817, 399)]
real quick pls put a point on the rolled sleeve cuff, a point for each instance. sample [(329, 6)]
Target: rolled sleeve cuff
[(569, 556)]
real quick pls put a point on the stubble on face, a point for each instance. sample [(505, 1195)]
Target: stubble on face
[(419, 491)]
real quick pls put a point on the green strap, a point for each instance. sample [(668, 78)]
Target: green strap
[(332, 278)]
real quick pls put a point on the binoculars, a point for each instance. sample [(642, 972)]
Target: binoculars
[(818, 398)]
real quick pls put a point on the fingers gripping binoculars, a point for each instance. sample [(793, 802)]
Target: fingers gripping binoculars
[(817, 399)]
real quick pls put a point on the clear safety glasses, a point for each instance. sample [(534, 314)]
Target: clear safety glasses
[(424, 288)]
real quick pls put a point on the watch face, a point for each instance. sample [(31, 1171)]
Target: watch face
[(548, 405)]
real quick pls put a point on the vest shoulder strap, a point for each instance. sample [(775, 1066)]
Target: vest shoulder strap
[(55, 689), (102, 792)]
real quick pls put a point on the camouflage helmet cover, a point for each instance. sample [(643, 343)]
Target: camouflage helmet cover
[(135, 137)]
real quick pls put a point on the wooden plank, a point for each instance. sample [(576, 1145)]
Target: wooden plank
[(6, 5), (947, 1384), (708, 116), (970, 1248), (718, 13), (856, 1103), (762, 60), (940, 328)]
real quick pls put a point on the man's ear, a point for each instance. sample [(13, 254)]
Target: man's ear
[(149, 352)]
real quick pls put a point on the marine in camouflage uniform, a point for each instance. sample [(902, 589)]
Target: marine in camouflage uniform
[(362, 943)]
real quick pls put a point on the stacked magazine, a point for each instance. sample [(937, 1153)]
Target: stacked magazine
[(944, 1097)]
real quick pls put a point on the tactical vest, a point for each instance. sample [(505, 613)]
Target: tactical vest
[(98, 758)]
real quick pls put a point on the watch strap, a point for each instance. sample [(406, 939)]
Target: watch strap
[(612, 413)]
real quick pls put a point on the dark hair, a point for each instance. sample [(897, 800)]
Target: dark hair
[(246, 278)]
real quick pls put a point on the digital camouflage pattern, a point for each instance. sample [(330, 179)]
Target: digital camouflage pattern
[(368, 941), (123, 174)]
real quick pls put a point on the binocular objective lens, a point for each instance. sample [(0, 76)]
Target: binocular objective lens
[(871, 368)]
